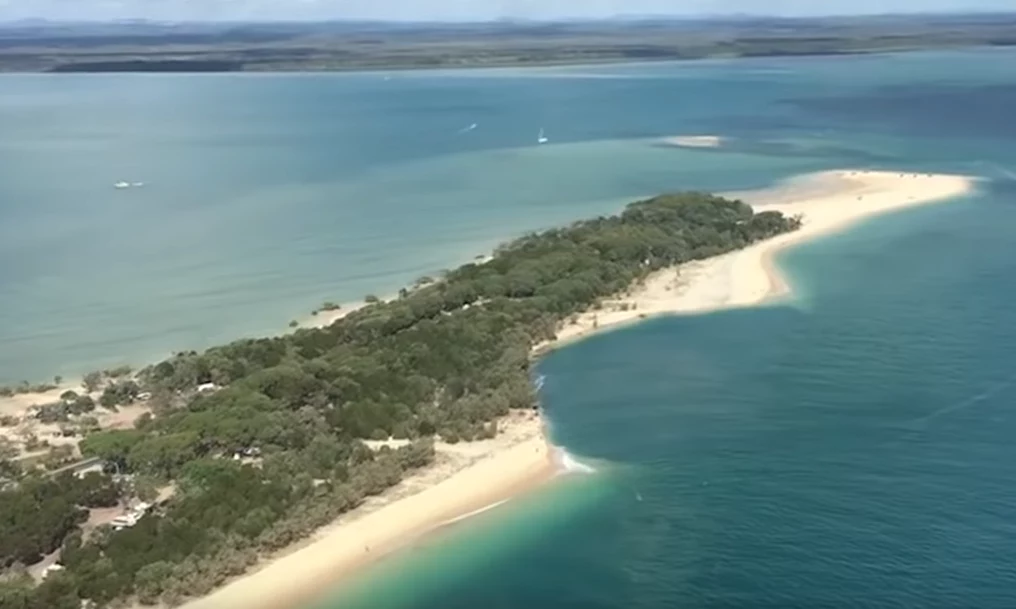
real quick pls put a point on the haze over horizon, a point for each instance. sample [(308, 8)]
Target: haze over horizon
[(462, 10)]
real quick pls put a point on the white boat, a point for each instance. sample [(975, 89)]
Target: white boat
[(542, 139), (122, 184)]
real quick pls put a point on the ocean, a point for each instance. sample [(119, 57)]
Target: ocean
[(850, 448)]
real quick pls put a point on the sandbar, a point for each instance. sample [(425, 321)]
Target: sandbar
[(694, 141)]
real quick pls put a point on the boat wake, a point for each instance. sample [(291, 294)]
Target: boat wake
[(971, 401), (997, 169), (1007, 173)]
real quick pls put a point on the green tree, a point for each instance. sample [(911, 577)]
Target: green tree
[(10, 470), (113, 445), (92, 381), (97, 490), (118, 372), (119, 394), (152, 580), (8, 450), (164, 454), (17, 593)]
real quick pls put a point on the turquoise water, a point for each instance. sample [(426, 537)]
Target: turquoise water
[(851, 449), (267, 194)]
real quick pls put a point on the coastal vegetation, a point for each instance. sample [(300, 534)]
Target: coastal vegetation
[(24, 387), (183, 47), (265, 440)]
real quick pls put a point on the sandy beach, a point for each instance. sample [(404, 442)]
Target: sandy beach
[(18, 403), (465, 478), (828, 202), (469, 476)]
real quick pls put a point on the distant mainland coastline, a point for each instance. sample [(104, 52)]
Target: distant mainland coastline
[(299, 458), (338, 46)]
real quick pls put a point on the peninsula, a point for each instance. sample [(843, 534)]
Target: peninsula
[(255, 445), (286, 462)]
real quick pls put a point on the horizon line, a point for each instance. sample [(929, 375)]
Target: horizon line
[(738, 16)]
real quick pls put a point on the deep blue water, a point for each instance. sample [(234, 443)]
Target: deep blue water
[(851, 448)]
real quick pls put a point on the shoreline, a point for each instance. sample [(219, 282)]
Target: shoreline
[(828, 201), (468, 478), (465, 480), (607, 60), (833, 201)]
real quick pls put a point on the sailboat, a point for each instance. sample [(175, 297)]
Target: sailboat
[(542, 139)]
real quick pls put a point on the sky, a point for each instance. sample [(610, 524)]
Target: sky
[(461, 10)]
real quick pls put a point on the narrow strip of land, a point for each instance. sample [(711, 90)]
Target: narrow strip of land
[(469, 476), (827, 202), (294, 46), (464, 478)]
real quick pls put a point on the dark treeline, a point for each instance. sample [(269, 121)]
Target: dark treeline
[(151, 65), (375, 46), (447, 358)]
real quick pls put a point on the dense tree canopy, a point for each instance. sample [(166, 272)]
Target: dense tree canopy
[(447, 357), (37, 515)]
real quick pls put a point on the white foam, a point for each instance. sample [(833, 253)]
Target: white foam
[(473, 513), (570, 465)]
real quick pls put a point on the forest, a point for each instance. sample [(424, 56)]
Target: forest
[(444, 360)]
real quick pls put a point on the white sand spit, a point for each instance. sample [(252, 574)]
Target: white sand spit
[(470, 476), (827, 202)]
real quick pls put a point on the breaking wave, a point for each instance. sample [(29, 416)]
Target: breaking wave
[(570, 465)]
